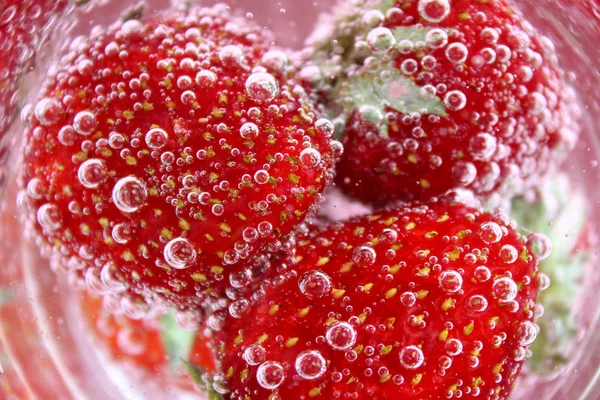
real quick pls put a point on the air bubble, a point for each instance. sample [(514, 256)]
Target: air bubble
[(455, 100), (364, 256), (381, 40), (231, 56), (156, 138), (450, 281), (92, 173), (490, 232), (129, 194), (262, 86), (436, 38), (261, 177), (477, 303), (508, 254), (206, 79), (310, 365), (526, 333), (275, 61), (411, 357), (48, 216), (457, 53), (254, 354), (84, 122), (315, 284), (121, 233), (505, 289), (540, 245), (179, 253), (453, 347), (324, 127), (434, 10), (48, 111), (270, 375), (341, 336), (110, 277), (310, 158)]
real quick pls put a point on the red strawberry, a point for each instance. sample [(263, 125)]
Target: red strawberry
[(23, 24), (169, 157), (443, 94), (429, 302), (154, 347)]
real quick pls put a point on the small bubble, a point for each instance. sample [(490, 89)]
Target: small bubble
[(92, 173), (411, 357), (310, 158), (48, 217), (67, 135), (450, 281), (129, 194), (483, 146), (454, 347), (526, 333), (540, 245), (477, 303), (543, 281), (310, 364), (455, 100), (408, 299), (275, 61), (457, 53), (206, 79), (270, 375), (315, 284), (341, 336), (261, 177), (156, 138), (325, 127), (48, 111), (179, 253), (436, 38), (505, 290), (434, 10), (364, 256), (508, 254), (482, 274), (249, 131), (111, 278), (381, 40), (254, 354), (132, 29), (490, 232), (121, 233), (84, 122), (262, 86), (231, 56), (238, 308)]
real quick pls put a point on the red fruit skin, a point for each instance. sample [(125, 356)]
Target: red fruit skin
[(393, 289), (520, 101), (199, 181)]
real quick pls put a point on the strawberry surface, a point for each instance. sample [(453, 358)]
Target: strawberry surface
[(437, 95), (167, 158), (423, 302)]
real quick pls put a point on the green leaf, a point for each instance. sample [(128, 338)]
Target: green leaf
[(560, 213), (202, 379), (373, 91), (176, 341)]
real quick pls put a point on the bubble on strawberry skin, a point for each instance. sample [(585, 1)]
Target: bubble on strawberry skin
[(179, 253), (262, 86), (505, 289), (48, 111), (48, 216), (310, 365), (411, 357), (341, 336), (434, 10), (254, 354), (270, 375), (92, 173), (315, 284), (129, 194)]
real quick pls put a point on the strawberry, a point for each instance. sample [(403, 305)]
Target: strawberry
[(168, 157), (438, 95), (152, 347), (425, 302), (24, 25)]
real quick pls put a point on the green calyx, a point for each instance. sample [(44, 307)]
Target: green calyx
[(202, 379)]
